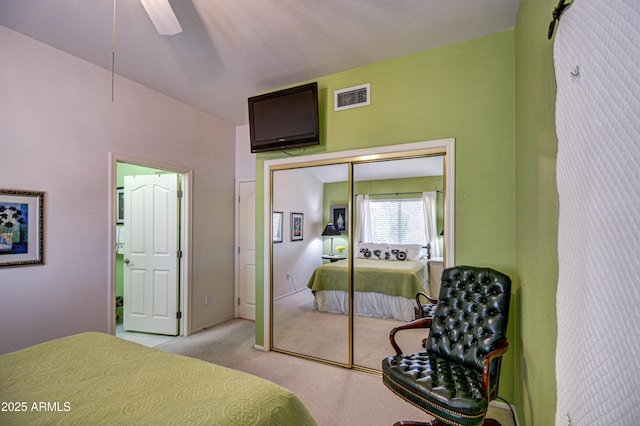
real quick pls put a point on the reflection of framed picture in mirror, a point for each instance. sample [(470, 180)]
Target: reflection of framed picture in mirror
[(297, 226), (339, 217), (120, 205), (277, 227)]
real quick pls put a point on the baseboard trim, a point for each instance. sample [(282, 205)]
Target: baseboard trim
[(260, 348), (290, 293), (504, 406), (206, 327)]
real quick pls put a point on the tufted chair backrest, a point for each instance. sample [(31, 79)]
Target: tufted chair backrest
[(471, 315)]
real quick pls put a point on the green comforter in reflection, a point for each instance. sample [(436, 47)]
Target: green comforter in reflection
[(96, 379), (378, 276)]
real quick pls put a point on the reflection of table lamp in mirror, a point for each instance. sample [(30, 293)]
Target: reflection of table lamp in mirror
[(330, 231)]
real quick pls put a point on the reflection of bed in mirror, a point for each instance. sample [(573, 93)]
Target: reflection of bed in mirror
[(384, 286)]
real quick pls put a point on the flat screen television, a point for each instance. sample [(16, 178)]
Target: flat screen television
[(284, 119)]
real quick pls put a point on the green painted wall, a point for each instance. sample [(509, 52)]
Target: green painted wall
[(465, 91), (537, 214)]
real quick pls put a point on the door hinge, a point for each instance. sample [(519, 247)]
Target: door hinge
[(179, 254), (179, 315), (238, 301), (179, 193), (238, 249)]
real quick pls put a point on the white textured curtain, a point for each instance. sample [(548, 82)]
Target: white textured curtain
[(430, 224), (363, 219), (597, 66)]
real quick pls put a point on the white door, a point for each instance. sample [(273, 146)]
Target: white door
[(150, 285), (246, 250)]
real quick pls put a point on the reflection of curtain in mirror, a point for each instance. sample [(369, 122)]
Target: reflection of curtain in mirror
[(363, 219), (430, 225)]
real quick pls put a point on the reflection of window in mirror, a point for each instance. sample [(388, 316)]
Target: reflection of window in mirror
[(397, 221), (402, 221)]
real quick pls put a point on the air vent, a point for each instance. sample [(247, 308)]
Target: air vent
[(352, 97)]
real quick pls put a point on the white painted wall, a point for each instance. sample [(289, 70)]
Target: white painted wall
[(245, 160), (297, 191), (57, 127)]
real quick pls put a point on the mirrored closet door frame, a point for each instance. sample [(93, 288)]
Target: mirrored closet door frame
[(445, 147)]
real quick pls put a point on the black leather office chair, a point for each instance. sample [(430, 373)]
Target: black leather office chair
[(457, 375)]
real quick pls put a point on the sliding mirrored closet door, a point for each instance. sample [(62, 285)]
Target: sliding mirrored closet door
[(354, 236), (303, 324), (398, 217)]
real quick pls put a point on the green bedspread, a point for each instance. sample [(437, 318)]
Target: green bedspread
[(95, 379), (378, 276)]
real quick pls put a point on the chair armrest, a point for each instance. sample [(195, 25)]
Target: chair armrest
[(419, 323), (431, 302), (501, 347), (429, 298)]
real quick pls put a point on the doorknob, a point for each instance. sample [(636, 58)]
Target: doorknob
[(126, 261)]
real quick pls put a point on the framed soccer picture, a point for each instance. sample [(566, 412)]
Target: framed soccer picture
[(21, 228), (297, 228)]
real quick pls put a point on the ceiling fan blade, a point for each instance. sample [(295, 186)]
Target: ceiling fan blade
[(162, 16)]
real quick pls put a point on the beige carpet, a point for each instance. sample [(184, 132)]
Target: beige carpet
[(334, 396), (301, 329)]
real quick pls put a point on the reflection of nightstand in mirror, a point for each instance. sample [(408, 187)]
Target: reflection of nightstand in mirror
[(333, 257), (435, 275)]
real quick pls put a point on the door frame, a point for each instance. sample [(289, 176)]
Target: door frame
[(186, 234), (236, 244), (447, 146)]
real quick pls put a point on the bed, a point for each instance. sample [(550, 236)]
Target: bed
[(384, 286), (94, 378)]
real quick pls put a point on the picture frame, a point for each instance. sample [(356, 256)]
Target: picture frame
[(120, 205), (297, 226), (340, 218), (277, 227), (21, 228)]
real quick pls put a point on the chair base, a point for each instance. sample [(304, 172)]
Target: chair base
[(436, 422)]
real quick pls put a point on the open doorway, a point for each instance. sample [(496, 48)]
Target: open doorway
[(151, 301)]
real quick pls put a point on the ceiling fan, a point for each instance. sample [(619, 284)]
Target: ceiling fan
[(162, 16)]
